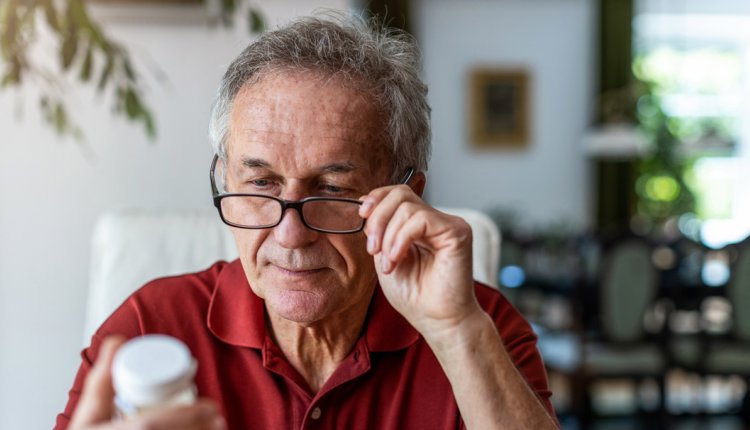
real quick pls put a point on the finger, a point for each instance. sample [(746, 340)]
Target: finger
[(97, 400), (402, 238), (404, 213), (432, 231), (375, 197), (387, 202), (203, 415), (371, 199)]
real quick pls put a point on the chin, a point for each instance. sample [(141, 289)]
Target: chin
[(302, 307)]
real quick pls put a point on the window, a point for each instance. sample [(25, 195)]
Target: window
[(698, 60)]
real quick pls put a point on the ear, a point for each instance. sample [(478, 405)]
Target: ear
[(418, 182)]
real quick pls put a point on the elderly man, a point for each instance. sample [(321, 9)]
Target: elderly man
[(352, 304)]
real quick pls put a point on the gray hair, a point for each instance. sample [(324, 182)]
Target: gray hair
[(384, 62)]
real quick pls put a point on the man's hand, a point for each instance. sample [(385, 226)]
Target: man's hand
[(96, 405), (423, 259)]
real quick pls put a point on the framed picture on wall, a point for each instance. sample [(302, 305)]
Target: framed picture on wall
[(499, 108)]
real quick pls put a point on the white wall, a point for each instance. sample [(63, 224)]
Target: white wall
[(555, 41), (52, 190)]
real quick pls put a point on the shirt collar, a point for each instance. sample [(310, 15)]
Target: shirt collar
[(235, 313), (237, 316), (386, 329)]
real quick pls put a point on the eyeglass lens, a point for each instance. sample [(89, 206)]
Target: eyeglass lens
[(260, 211)]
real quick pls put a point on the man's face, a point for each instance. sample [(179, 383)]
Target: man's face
[(295, 135)]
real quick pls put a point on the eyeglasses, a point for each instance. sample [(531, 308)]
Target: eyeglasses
[(256, 211)]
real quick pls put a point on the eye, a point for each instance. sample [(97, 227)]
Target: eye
[(331, 189), (260, 184)]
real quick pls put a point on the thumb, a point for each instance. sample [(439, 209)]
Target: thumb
[(96, 404)]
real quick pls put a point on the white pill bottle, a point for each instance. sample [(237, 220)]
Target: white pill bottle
[(152, 371)]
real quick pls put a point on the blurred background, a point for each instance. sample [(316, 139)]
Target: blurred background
[(607, 139)]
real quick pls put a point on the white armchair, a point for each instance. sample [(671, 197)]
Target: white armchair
[(130, 248)]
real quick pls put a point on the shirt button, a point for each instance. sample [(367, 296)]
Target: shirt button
[(316, 413)]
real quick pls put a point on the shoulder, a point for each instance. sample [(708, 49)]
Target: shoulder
[(511, 325), (165, 303), (183, 288), (494, 302)]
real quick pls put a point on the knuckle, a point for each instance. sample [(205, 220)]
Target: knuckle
[(463, 229), (419, 214), (402, 191)]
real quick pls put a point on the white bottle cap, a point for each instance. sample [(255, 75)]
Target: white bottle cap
[(150, 369)]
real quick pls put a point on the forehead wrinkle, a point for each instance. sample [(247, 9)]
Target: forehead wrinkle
[(290, 112), (335, 167), (295, 117), (335, 133)]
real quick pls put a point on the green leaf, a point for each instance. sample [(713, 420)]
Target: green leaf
[(128, 69), (13, 75), (97, 37), (148, 122), (85, 74), (77, 13), (9, 39), (7, 80), (106, 73), (256, 21), (132, 104), (69, 48), (60, 118), (228, 7), (50, 13)]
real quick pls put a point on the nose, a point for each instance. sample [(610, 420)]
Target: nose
[(291, 232)]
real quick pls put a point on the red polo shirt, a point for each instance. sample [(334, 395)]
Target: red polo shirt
[(391, 379)]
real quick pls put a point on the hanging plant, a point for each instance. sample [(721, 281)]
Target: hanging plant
[(85, 51)]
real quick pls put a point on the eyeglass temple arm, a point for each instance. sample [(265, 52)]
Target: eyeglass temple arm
[(407, 176), (214, 189)]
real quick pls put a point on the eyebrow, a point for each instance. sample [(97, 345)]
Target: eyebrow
[(255, 163), (343, 167)]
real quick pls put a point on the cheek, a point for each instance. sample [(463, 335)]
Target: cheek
[(354, 254), (248, 242)]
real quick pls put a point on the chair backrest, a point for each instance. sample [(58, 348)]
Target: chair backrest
[(130, 248), (628, 286), (738, 292)]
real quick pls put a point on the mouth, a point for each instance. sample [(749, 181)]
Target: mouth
[(298, 272)]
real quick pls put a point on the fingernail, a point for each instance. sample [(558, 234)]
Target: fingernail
[(366, 206), (394, 250), (385, 264), (218, 423), (371, 244)]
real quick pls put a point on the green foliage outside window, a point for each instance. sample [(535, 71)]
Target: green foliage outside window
[(681, 109), (661, 187)]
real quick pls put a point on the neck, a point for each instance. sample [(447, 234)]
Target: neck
[(317, 349)]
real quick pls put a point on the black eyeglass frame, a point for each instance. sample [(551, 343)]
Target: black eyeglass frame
[(287, 204)]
